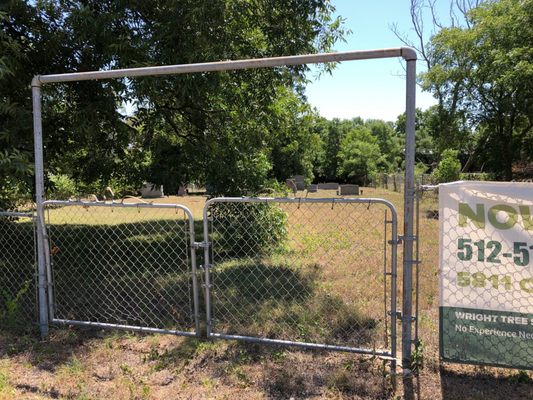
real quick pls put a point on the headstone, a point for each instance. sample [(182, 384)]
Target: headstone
[(300, 183), (291, 185), (348, 190), (328, 186), (312, 188), (182, 191), (149, 190)]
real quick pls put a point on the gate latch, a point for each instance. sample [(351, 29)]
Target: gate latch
[(200, 245)]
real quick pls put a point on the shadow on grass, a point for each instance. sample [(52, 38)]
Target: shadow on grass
[(483, 385), (132, 273), (48, 354), (283, 301), (139, 274)]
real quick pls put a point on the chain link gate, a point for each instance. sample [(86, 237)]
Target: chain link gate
[(18, 289), (306, 272), (122, 266)]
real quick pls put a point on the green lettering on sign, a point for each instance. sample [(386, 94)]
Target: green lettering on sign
[(526, 217), (511, 213), (477, 217)]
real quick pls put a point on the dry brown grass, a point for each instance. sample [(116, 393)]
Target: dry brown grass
[(80, 364)]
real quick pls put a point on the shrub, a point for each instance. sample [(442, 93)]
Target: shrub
[(249, 229), (477, 176), (449, 168), (63, 187)]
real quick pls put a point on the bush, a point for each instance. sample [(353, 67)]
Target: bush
[(249, 229), (477, 176), (63, 187), (449, 168)]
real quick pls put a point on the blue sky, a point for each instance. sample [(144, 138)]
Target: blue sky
[(370, 88)]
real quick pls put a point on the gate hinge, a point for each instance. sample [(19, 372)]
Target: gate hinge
[(201, 245), (398, 314), (399, 241), (402, 318), (405, 237)]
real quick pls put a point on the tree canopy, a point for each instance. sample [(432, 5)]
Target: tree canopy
[(189, 123), (237, 131), (481, 73)]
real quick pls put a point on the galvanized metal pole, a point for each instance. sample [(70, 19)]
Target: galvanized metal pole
[(207, 266), (230, 65), (409, 193), (39, 199)]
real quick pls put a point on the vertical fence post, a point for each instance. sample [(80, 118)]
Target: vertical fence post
[(409, 193), (39, 199)]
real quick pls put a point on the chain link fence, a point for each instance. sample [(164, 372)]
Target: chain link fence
[(426, 297), (122, 265), (395, 182), (320, 272), (18, 302)]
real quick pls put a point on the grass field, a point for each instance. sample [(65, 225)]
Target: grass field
[(325, 284)]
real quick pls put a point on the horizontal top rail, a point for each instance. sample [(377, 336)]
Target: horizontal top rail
[(16, 214), (120, 205), (427, 188), (406, 52), (104, 204)]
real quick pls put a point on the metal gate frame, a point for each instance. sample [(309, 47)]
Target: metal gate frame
[(192, 244), (407, 53), (387, 355)]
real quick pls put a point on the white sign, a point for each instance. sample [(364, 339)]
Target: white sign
[(486, 271)]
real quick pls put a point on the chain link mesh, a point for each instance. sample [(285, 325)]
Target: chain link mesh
[(121, 265), (426, 272), (18, 304), (316, 272)]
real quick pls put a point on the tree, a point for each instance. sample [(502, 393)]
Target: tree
[(449, 168), (332, 134), (426, 151), (86, 135), (359, 154), (295, 144), (227, 119), (492, 59), (445, 124), (15, 147), (389, 144)]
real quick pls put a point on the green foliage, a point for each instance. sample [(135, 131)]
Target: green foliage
[(389, 144), (420, 168), (183, 128), (449, 168), (332, 133), (15, 122), (359, 154), (482, 76), (10, 313), (417, 360), (251, 228), (426, 151), (477, 176), (62, 187), (295, 144)]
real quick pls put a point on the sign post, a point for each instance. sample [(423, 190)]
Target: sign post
[(486, 267)]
